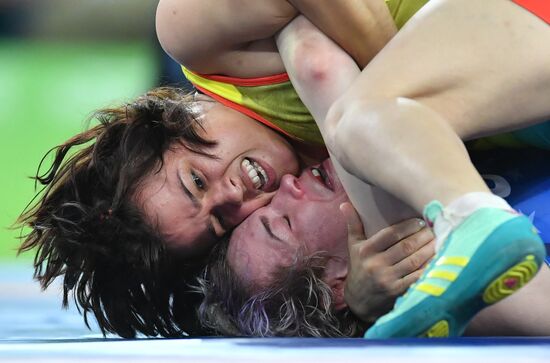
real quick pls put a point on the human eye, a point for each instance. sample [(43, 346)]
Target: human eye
[(287, 220), (197, 180)]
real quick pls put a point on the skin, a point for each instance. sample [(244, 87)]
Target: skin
[(458, 70), (320, 85), (275, 234), (236, 36), (303, 219), (194, 199), (398, 91), (320, 71), (388, 89), (241, 43)]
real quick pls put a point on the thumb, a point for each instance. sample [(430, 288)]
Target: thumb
[(355, 226)]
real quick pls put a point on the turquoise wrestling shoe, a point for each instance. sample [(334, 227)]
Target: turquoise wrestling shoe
[(487, 257)]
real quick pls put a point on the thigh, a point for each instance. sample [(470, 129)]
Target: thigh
[(377, 208), (483, 65)]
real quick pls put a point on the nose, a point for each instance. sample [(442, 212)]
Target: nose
[(291, 185), (229, 202), (227, 193)]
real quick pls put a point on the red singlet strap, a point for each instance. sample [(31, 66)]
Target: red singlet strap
[(540, 8)]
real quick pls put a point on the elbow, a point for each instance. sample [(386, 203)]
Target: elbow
[(163, 26), (314, 65), (171, 28)]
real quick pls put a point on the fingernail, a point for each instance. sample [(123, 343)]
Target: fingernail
[(421, 223)]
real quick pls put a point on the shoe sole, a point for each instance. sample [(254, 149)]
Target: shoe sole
[(501, 287)]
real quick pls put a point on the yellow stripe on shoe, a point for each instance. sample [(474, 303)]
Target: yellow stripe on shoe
[(443, 275), (430, 289), (453, 260)]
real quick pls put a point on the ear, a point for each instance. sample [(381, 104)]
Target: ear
[(336, 271), (337, 285)]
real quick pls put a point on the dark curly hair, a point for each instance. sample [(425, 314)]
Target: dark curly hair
[(86, 228), (296, 302)]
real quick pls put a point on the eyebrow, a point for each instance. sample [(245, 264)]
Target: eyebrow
[(265, 223)]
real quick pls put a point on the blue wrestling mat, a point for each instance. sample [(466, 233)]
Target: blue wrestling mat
[(281, 350), (34, 328), (522, 177)]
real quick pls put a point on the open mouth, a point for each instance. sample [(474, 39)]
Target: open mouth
[(256, 174), (321, 175)]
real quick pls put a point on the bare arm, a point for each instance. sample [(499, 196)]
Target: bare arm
[(321, 71), (232, 37), (360, 27), (235, 37)]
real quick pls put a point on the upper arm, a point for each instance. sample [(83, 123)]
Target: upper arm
[(207, 35)]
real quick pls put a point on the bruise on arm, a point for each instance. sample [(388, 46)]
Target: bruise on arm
[(360, 27)]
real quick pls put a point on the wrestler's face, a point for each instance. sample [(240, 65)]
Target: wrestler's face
[(195, 199), (303, 218)]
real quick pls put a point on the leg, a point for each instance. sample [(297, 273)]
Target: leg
[(464, 72), (401, 128), (401, 144), (524, 313)]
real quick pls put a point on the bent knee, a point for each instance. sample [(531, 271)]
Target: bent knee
[(368, 125), (355, 125)]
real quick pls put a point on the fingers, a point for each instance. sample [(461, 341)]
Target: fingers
[(411, 269), (393, 234), (415, 261), (405, 282), (408, 246), (355, 226)]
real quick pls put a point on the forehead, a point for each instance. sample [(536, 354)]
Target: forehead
[(254, 255)]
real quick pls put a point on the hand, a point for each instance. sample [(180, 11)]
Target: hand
[(385, 265)]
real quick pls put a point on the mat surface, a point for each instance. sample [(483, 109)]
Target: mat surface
[(34, 328)]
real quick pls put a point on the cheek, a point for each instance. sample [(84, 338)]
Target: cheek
[(331, 231), (325, 227)]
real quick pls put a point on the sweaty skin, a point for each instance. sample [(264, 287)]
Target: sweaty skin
[(194, 199)]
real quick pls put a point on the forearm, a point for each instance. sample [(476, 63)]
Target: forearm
[(221, 36), (361, 27)]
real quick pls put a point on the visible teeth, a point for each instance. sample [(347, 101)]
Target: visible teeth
[(255, 172), (257, 181), (318, 173)]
